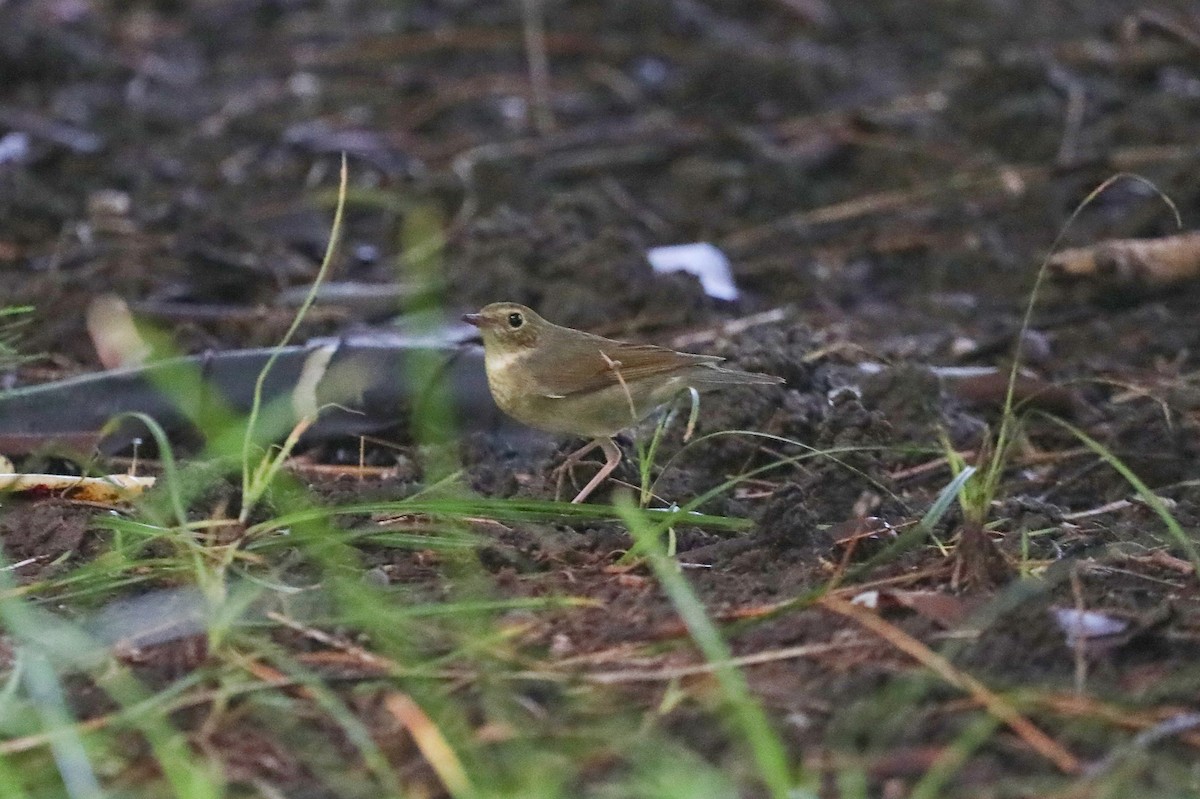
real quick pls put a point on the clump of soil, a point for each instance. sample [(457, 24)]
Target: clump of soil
[(43, 535), (580, 261)]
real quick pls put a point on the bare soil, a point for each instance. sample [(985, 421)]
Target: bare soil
[(890, 175)]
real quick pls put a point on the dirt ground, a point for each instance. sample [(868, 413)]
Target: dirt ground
[(889, 176)]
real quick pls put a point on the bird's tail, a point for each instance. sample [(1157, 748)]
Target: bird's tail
[(714, 376)]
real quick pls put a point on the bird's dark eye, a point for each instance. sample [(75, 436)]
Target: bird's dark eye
[(515, 320)]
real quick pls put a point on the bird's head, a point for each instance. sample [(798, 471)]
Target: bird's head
[(507, 327)]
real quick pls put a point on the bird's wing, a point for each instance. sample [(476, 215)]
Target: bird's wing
[(596, 364)]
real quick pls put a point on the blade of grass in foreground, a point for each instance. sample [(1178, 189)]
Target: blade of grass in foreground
[(9, 778), (45, 692), (954, 757), (353, 727), (44, 640), (503, 510), (749, 718)]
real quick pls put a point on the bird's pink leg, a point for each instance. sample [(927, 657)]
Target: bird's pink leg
[(568, 465), (613, 459)]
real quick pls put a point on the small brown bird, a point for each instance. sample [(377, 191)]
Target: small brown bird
[(566, 381)]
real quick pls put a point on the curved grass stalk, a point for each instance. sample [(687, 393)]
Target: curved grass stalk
[(255, 480), (811, 453), (1151, 499), (996, 464), (167, 455)]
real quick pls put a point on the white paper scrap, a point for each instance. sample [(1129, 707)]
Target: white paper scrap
[(701, 259)]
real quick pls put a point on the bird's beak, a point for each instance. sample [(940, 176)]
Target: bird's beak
[(473, 319)]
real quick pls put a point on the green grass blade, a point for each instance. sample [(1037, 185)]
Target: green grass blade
[(954, 757), (766, 747), (1149, 497), (252, 492), (503, 510), (166, 456), (945, 499)]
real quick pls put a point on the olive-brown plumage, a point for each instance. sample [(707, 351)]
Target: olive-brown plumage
[(562, 380)]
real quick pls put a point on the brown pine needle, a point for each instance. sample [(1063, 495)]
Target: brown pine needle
[(999, 707)]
